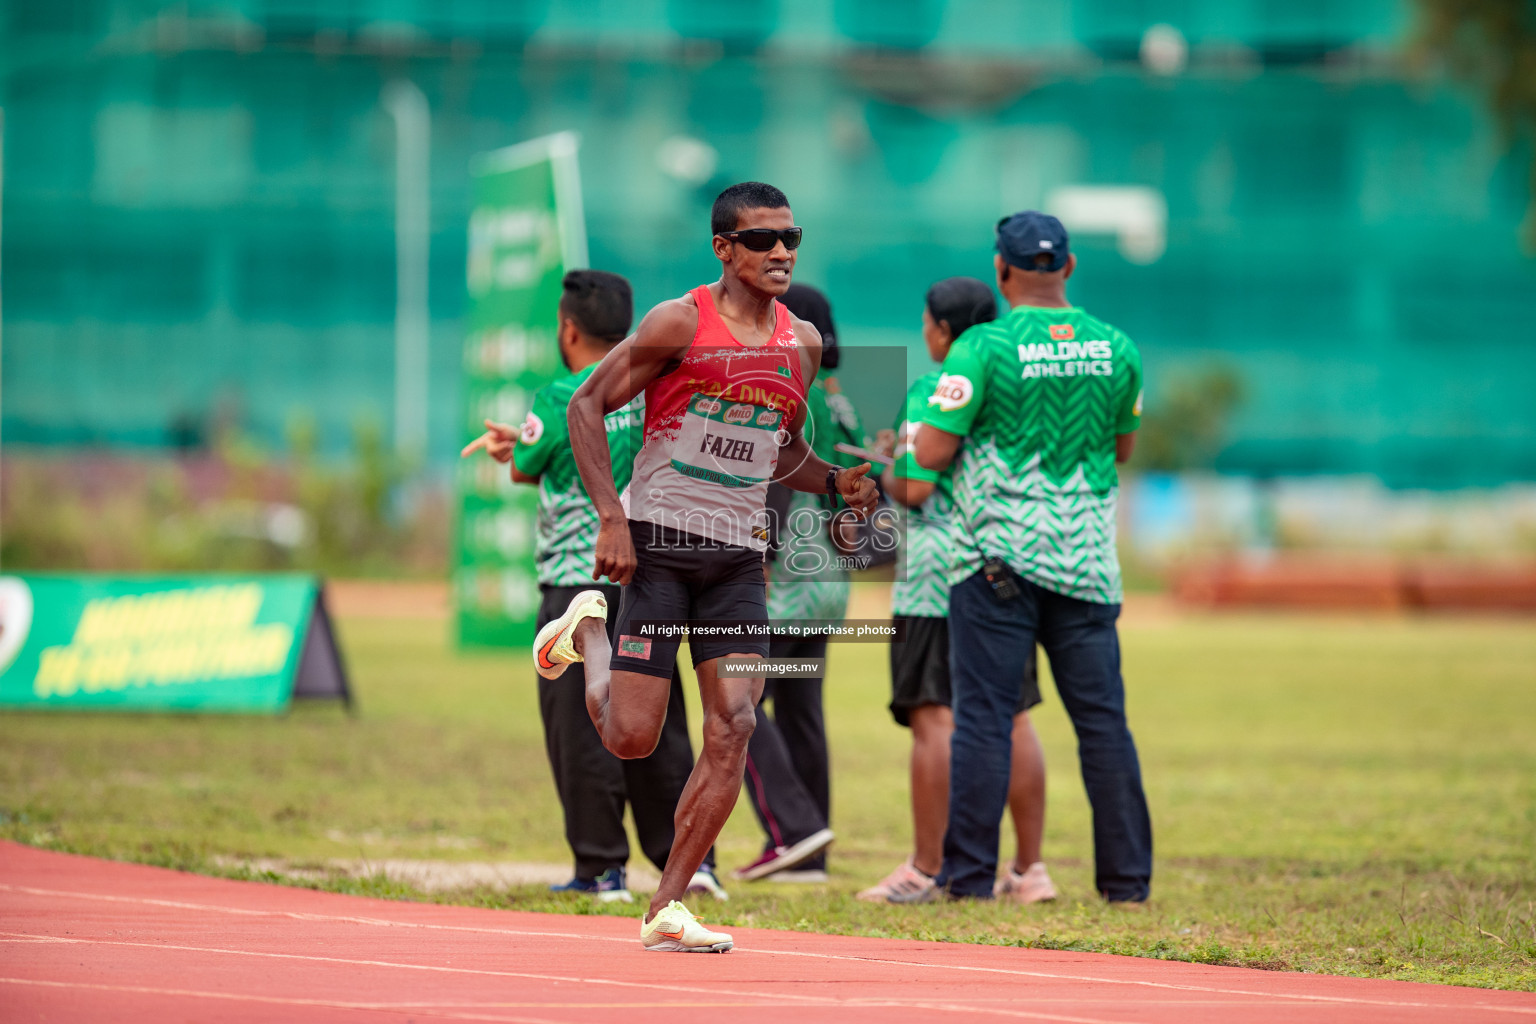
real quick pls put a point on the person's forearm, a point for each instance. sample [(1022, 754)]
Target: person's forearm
[(911, 493), (801, 469), (935, 449), (589, 446), (1125, 444)]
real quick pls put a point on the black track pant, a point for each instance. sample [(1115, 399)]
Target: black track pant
[(788, 777)]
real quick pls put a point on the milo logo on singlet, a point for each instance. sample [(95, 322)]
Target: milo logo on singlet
[(732, 444)]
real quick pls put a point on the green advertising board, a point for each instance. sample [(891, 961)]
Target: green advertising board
[(205, 644), (525, 231)]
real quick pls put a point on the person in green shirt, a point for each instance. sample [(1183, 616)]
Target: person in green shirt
[(1046, 401), (920, 680), (596, 309)]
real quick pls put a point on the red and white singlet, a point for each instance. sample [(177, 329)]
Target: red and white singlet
[(713, 430)]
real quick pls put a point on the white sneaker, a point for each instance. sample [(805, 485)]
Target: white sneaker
[(904, 885), (1032, 886), (553, 649), (704, 882), (675, 930)]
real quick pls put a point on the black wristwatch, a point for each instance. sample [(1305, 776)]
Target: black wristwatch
[(832, 482)]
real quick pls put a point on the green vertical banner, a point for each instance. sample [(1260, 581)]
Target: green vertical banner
[(525, 231)]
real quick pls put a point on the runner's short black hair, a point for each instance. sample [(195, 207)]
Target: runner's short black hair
[(601, 304), (961, 302), (749, 195)]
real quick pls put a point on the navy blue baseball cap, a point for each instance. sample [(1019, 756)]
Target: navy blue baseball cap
[(1023, 236)]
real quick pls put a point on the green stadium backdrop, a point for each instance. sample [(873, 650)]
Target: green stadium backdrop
[(198, 198)]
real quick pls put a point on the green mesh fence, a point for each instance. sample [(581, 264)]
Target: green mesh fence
[(198, 200)]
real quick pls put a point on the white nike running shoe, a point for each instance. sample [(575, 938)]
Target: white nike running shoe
[(674, 929), (553, 649)]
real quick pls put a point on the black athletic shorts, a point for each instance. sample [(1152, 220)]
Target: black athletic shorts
[(683, 576), (920, 669)]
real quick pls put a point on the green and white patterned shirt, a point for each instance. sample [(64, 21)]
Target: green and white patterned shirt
[(565, 537), (928, 531), (1039, 396)]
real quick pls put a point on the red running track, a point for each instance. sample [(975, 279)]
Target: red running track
[(90, 940)]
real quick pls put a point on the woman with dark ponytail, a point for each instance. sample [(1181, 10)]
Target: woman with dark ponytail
[(953, 306), (920, 680)]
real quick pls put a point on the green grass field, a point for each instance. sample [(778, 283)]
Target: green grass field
[(1342, 795)]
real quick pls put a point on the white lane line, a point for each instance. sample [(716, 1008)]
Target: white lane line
[(1007, 971), (1351, 1000), (297, 915), (452, 1011), (967, 1008), (768, 1000), (329, 1004), (772, 996)]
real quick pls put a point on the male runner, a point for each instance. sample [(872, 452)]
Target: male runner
[(596, 310), (789, 778), (1047, 400), (724, 371)]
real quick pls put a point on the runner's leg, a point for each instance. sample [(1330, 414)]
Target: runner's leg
[(729, 717), (654, 784), (628, 708)]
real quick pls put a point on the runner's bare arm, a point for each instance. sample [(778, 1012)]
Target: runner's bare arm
[(662, 338), (801, 469), (1124, 445)]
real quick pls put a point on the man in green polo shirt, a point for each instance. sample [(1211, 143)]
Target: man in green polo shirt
[(921, 695), (596, 309), (1046, 401)]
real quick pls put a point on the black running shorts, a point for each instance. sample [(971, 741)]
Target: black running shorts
[(920, 669), (684, 576)]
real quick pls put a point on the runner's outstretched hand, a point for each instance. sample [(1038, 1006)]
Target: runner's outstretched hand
[(498, 441), (615, 553), (858, 490)]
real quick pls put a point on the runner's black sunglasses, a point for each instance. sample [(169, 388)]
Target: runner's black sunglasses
[(764, 239)]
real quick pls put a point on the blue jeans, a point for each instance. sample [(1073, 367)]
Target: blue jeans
[(989, 639)]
